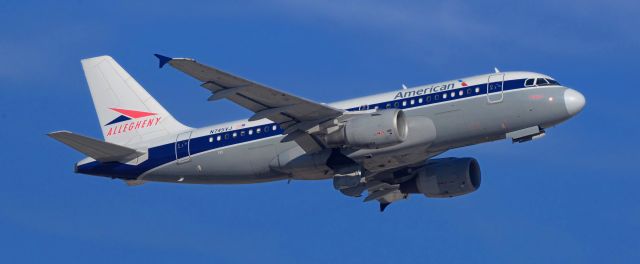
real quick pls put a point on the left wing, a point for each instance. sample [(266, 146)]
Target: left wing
[(296, 115)]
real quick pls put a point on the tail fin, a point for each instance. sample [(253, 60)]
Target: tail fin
[(127, 113)]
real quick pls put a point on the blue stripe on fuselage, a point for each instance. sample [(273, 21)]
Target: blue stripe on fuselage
[(166, 153)]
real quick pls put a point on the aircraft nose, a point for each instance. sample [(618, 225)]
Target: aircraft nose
[(574, 101)]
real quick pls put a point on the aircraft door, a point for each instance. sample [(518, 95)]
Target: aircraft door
[(495, 88), (183, 153)]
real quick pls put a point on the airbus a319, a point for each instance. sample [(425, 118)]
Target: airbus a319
[(381, 146)]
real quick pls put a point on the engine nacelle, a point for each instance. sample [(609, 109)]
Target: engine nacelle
[(371, 131), (442, 178)]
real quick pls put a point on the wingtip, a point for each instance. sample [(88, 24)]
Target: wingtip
[(162, 59), (55, 133)]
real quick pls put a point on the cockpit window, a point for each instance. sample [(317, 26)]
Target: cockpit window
[(541, 82), (529, 82), (553, 82)]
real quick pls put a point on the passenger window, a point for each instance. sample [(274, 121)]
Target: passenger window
[(275, 127), (242, 133), (250, 132), (396, 104), (529, 82), (218, 138), (388, 105), (226, 136), (429, 98), (413, 101), (477, 90), (453, 94), (404, 103), (541, 82), (461, 93), (210, 139), (444, 96), (468, 90), (266, 129), (258, 130), (420, 100), (436, 97), (235, 134)]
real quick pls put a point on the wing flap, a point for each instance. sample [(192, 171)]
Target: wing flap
[(97, 149)]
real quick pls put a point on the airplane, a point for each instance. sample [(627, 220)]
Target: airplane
[(384, 144)]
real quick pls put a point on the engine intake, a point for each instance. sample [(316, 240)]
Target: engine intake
[(442, 178), (376, 130)]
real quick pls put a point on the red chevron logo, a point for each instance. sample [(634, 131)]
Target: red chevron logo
[(126, 117), (132, 113)]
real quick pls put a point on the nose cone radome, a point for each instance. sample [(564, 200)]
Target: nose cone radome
[(574, 101)]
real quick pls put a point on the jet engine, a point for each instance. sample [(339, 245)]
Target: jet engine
[(371, 131), (442, 178)]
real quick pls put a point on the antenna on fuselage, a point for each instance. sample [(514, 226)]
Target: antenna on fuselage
[(404, 87), (496, 69)]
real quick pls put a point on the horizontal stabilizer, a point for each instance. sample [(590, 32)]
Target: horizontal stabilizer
[(97, 149)]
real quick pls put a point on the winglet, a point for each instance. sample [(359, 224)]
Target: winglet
[(383, 206), (163, 59)]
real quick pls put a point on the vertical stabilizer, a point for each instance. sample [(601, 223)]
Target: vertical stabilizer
[(127, 113)]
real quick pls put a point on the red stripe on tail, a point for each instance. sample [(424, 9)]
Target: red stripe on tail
[(132, 113)]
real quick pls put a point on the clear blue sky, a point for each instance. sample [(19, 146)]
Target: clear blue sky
[(569, 197)]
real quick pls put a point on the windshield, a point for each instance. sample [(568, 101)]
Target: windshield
[(546, 81), (553, 82), (541, 82)]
